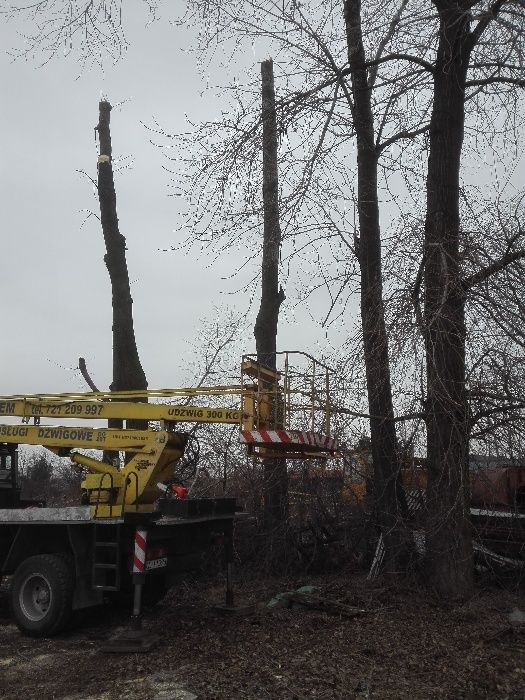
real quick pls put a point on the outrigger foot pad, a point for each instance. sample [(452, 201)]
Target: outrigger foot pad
[(230, 610), (131, 642)]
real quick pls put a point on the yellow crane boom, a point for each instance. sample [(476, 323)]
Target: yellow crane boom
[(266, 405), (102, 407)]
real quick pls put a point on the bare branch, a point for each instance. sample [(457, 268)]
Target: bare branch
[(402, 135), (83, 371), (496, 79), (324, 48), (383, 43), (484, 22), (416, 415), (414, 295), (401, 57), (492, 269)]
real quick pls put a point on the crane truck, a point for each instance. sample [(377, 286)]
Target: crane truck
[(136, 529)]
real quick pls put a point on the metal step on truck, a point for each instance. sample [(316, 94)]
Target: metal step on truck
[(137, 529)]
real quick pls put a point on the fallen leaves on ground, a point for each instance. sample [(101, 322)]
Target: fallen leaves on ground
[(407, 645)]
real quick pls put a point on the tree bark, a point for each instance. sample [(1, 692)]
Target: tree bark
[(265, 331), (448, 537), (389, 495), (127, 369)]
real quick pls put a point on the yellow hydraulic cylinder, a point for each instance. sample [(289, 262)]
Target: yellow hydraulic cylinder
[(94, 465)]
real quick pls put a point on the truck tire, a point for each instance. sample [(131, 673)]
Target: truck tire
[(41, 594)]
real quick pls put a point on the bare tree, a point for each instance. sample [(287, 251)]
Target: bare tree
[(448, 529), (368, 249)]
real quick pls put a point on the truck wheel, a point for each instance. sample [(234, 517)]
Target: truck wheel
[(41, 594)]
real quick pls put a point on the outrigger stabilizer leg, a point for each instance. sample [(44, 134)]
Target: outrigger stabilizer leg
[(229, 608), (135, 639)]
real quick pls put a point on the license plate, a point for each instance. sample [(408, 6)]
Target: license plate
[(159, 563)]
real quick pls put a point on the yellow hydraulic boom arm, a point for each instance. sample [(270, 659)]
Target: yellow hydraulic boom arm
[(266, 403), (110, 490), (153, 453), (119, 405)]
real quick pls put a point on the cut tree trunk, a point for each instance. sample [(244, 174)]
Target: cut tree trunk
[(448, 537), (127, 369), (265, 331)]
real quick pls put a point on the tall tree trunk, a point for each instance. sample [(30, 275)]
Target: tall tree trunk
[(449, 542), (375, 342), (127, 370), (265, 331)]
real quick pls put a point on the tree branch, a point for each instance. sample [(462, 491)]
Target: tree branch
[(414, 295), (492, 269), (382, 44), (484, 22), (488, 81), (299, 96), (83, 371), (401, 57), (505, 408), (405, 134), (324, 48), (356, 414)]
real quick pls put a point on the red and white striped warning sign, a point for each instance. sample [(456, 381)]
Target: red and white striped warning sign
[(293, 438), (139, 557)]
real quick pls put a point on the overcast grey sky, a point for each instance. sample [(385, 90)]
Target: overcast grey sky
[(55, 287), (56, 302)]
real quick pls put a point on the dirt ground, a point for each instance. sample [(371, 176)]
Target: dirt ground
[(404, 645)]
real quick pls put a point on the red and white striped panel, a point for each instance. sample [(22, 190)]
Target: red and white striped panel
[(288, 437), (139, 557)]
